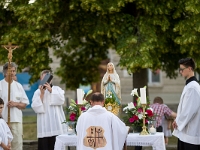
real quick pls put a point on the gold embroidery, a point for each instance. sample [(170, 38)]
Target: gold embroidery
[(95, 137)]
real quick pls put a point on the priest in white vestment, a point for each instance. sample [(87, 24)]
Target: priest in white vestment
[(18, 101), (100, 129), (5, 133), (47, 103), (187, 121)]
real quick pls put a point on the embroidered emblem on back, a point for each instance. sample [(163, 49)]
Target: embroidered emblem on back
[(95, 137)]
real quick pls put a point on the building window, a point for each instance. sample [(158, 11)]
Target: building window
[(154, 77)]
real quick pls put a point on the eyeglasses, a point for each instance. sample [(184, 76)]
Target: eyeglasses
[(181, 69)]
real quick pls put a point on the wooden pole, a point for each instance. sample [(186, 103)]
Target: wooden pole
[(10, 49)]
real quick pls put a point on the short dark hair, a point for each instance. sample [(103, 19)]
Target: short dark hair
[(187, 62), (158, 100), (1, 101), (97, 97), (5, 67)]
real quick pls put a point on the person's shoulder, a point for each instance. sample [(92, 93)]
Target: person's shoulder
[(83, 115), (111, 115), (2, 121), (155, 104), (17, 83), (3, 80), (193, 86), (56, 87), (164, 105)]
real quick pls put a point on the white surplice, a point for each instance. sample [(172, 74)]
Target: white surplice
[(115, 131), (5, 133), (188, 114), (50, 114), (17, 94)]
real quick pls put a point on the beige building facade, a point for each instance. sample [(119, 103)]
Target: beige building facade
[(169, 89)]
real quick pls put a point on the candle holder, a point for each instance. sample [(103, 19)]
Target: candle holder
[(151, 126), (144, 129), (71, 127)]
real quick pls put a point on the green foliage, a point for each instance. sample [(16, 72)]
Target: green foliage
[(27, 25), (145, 33)]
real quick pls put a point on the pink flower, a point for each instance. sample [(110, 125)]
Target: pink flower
[(135, 117), (131, 120), (135, 104), (83, 108), (140, 110), (72, 116), (149, 113)]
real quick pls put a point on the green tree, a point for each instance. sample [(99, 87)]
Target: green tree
[(145, 33)]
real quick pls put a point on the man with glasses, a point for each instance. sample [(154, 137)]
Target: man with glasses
[(186, 124)]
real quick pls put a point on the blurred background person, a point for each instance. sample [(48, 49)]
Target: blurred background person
[(161, 110), (47, 103)]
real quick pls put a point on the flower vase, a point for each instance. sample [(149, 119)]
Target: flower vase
[(137, 129)]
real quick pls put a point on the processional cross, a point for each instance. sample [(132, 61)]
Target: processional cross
[(10, 49)]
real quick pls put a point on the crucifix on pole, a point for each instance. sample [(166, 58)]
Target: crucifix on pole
[(10, 49)]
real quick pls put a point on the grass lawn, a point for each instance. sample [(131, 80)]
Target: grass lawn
[(173, 140), (30, 128)]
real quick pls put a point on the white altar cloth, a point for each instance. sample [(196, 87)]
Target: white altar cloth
[(133, 139), (65, 140), (156, 141)]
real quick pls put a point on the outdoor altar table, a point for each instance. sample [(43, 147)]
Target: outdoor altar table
[(133, 139), (156, 141), (65, 140)]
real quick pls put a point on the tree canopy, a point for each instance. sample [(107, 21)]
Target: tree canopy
[(145, 33)]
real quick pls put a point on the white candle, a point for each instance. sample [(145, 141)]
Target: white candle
[(80, 96), (152, 130), (143, 95)]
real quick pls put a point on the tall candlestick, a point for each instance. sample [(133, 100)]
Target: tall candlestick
[(143, 95), (80, 95), (144, 131)]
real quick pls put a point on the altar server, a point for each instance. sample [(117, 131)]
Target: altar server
[(5, 133), (47, 103), (18, 101), (100, 129), (187, 121)]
